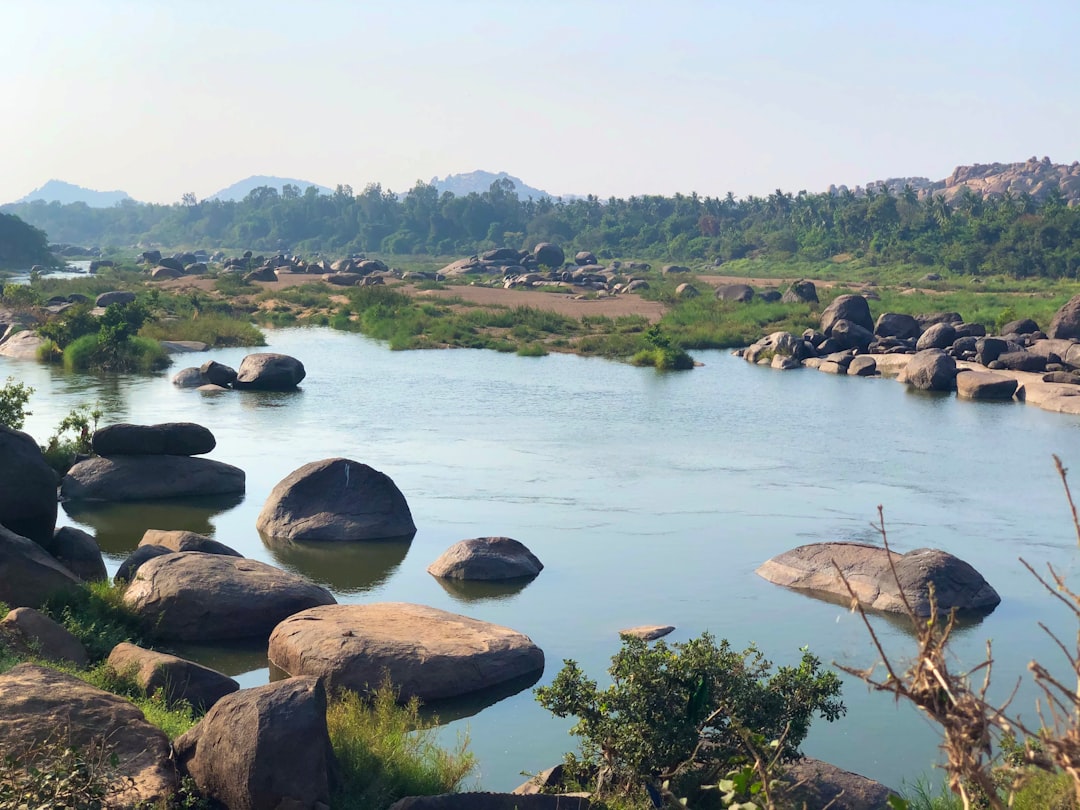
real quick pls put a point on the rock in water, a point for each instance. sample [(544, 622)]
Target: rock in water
[(426, 652), (139, 478), (190, 596), (267, 371), (169, 439), (931, 370), (487, 558), (39, 706), (811, 568), (336, 499), (266, 747)]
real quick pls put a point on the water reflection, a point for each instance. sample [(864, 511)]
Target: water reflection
[(469, 591), (119, 527), (344, 567), (238, 658), (253, 400), (447, 711)]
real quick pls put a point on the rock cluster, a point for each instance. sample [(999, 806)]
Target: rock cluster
[(263, 371)]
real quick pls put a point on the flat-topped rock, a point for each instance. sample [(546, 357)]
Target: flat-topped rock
[(166, 439), (31, 632), (22, 345), (426, 652), (812, 783), (176, 679), (180, 540), (40, 705), (811, 568), (486, 558), (336, 499), (984, 385), (648, 632), (189, 596), (139, 478)]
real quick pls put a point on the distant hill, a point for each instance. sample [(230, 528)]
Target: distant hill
[(1033, 176), (64, 193), (480, 181), (237, 191)]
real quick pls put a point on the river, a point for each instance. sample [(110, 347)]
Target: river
[(650, 498)]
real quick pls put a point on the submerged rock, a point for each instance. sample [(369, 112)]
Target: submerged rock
[(486, 558), (138, 478)]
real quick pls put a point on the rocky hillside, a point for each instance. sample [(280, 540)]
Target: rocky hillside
[(1035, 177)]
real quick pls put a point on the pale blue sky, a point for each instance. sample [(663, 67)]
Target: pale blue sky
[(613, 98)]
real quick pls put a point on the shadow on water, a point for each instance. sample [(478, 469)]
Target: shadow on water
[(346, 567), (119, 526), (232, 660), (447, 711), (253, 400), (469, 591)]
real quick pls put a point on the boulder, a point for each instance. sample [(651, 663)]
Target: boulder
[(217, 373), (115, 297), (139, 478), (769, 295), (167, 438), (862, 365), (812, 783), (931, 370), (847, 308), (743, 293), (1022, 361), (180, 540), (336, 499), (548, 255), (800, 292), (79, 553), (648, 632), (673, 269), (190, 596), (267, 371), (976, 330), (955, 583), (163, 273), (28, 574), (29, 631), (1066, 321), (1023, 326), (987, 350), (172, 263), (425, 652), (937, 336), (22, 345), (984, 385), (188, 378), (27, 487), (39, 706), (264, 273), (151, 256), (776, 343), (135, 560), (895, 324), (850, 335), (686, 290), (265, 748), (177, 679), (486, 558), (1064, 377), (584, 257), (929, 319)]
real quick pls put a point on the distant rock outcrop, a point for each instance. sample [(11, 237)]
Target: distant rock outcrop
[(64, 193)]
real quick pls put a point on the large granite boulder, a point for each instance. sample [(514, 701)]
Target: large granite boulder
[(27, 487), (989, 349), (189, 596), (548, 255), (22, 345), (850, 335), (166, 439), (268, 371), (426, 652), (41, 706), (28, 574), (180, 540), (1022, 326), (742, 293), (29, 631), (847, 308), (800, 292), (486, 558), (937, 336), (217, 373), (188, 378), (140, 478), (176, 679), (265, 748), (984, 385), (1022, 361), (1066, 321), (136, 559), (79, 553), (897, 325), (812, 783), (114, 297), (336, 499), (955, 583), (930, 370)]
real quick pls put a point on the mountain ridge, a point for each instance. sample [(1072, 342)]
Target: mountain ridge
[(65, 193)]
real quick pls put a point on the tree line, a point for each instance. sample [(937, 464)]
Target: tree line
[(22, 245), (1009, 234)]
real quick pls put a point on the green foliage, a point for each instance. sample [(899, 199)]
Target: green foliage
[(174, 719), (22, 245), (72, 437), (20, 297), (90, 353), (13, 398), (664, 700), (55, 775), (386, 751), (70, 325), (215, 329), (662, 354), (95, 614)]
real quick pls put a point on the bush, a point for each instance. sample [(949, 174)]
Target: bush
[(71, 438), (664, 701), (55, 775), (96, 615), (386, 751), (92, 353), (13, 398)]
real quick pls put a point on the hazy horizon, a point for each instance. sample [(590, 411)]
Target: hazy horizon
[(615, 99)]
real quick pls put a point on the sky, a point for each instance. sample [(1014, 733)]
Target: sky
[(606, 97)]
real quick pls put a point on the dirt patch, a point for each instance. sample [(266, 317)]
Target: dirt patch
[(612, 307)]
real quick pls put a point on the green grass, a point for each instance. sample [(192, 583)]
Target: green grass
[(214, 330), (95, 614), (133, 354), (386, 751)]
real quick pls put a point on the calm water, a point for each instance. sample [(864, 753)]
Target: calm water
[(649, 498)]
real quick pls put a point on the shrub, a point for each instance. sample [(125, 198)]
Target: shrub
[(71, 438), (91, 352), (386, 751), (214, 330), (13, 398), (96, 615), (664, 701), (55, 775)]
